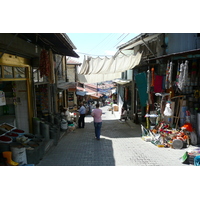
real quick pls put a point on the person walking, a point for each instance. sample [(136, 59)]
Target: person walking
[(96, 114), (81, 120)]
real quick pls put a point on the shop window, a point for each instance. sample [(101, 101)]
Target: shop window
[(8, 72), (20, 72), (12, 72)]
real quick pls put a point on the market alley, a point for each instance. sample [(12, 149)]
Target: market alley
[(120, 145)]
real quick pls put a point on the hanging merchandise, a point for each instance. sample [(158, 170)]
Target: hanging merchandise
[(141, 82), (167, 76), (177, 78), (168, 80), (158, 84), (170, 74), (180, 79), (44, 63), (185, 74), (168, 111), (152, 78)]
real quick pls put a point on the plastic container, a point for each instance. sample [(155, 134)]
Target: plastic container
[(19, 154)]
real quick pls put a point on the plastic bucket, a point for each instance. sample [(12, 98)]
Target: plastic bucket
[(197, 161), (19, 154)]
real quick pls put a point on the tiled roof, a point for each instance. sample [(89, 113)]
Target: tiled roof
[(72, 62)]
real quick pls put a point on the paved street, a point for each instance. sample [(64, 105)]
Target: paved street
[(120, 145)]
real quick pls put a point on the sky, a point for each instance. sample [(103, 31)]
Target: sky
[(98, 44)]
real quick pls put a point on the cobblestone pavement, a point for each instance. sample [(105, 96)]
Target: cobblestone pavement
[(120, 145)]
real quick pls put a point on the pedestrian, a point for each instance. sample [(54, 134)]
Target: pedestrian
[(81, 120), (96, 114)]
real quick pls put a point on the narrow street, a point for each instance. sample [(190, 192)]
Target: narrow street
[(120, 145)]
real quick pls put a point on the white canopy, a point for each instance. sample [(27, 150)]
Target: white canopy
[(99, 69)]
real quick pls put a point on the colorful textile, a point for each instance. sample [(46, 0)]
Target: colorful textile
[(141, 83), (158, 84)]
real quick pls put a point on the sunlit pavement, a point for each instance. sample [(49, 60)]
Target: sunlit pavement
[(120, 145)]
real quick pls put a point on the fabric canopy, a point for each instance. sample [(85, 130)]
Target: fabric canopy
[(99, 69)]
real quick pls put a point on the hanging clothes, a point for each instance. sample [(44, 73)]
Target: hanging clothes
[(168, 80), (177, 74), (167, 76), (170, 74), (180, 79), (185, 74)]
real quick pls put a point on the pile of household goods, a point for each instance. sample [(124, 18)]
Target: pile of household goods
[(172, 105), (162, 135)]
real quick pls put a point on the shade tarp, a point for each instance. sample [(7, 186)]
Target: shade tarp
[(100, 69)]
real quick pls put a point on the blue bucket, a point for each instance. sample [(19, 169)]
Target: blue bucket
[(197, 160)]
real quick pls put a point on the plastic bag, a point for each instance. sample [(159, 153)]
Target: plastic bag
[(168, 110)]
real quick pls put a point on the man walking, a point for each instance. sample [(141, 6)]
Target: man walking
[(81, 120), (96, 114)]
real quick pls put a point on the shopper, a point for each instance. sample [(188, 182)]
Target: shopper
[(96, 114), (81, 120)]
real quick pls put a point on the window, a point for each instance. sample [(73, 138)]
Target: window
[(8, 72), (20, 72)]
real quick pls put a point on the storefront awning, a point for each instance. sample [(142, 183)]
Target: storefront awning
[(184, 53), (59, 43)]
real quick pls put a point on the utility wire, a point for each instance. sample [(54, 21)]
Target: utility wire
[(122, 39), (109, 43), (100, 42), (121, 35)]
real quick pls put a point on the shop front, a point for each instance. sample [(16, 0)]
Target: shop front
[(172, 101), (15, 86)]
